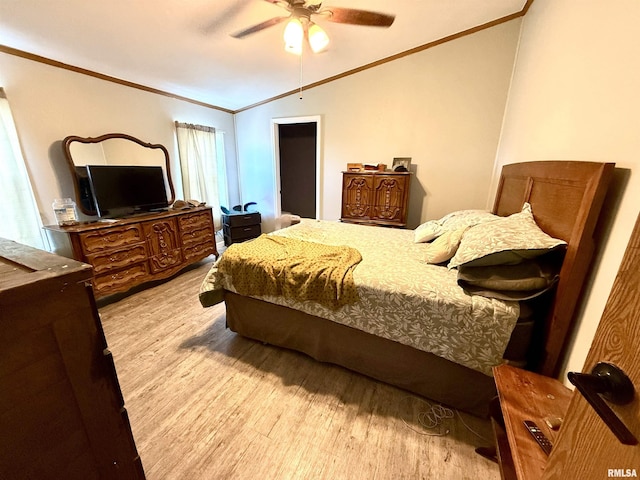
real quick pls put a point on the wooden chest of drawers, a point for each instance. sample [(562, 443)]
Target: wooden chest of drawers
[(134, 250), (62, 413), (241, 227), (379, 198)]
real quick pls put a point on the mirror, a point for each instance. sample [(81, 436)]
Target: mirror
[(111, 149)]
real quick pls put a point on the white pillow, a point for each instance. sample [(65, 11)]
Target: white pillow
[(506, 241), (444, 247), (452, 221), (427, 231)]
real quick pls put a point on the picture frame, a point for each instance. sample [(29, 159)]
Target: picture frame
[(401, 164)]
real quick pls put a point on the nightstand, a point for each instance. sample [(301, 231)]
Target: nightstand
[(240, 227), (523, 396)]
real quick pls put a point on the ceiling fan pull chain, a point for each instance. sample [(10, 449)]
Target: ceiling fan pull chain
[(300, 93)]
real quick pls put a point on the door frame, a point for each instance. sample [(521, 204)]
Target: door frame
[(275, 122)]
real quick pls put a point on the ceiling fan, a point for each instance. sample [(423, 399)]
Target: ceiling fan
[(300, 26)]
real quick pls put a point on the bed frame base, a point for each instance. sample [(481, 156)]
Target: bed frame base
[(405, 367)]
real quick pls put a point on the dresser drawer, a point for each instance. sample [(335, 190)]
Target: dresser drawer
[(110, 238), (199, 250), (193, 237), (195, 221), (115, 259), (120, 280), (242, 233), (241, 220)]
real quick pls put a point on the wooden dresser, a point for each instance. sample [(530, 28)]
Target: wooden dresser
[(133, 250), (377, 198), (62, 413)]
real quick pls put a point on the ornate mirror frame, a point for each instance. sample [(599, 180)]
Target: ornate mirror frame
[(96, 152)]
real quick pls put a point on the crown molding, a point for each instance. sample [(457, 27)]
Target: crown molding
[(126, 83)]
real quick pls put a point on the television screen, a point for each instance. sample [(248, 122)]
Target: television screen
[(120, 190)]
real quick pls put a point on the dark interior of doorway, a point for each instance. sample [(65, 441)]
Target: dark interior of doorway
[(297, 142)]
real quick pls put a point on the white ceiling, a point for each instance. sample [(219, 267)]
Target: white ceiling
[(184, 47)]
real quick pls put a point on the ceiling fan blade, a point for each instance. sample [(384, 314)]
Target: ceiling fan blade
[(357, 17), (281, 3), (260, 26), (225, 15)]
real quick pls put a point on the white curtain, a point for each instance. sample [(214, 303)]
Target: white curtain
[(203, 166), (19, 217)]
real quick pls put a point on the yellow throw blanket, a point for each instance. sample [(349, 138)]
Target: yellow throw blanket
[(280, 266)]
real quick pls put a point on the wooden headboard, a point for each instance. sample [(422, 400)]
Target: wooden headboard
[(566, 198)]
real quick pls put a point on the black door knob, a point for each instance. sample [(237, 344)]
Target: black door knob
[(611, 383)]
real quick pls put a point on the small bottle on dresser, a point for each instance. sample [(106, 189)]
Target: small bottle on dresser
[(65, 211)]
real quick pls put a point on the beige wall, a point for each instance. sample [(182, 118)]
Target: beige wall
[(575, 96), (50, 103), (443, 107)]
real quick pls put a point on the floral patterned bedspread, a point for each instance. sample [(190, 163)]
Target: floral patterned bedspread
[(402, 297)]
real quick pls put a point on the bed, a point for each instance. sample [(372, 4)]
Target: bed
[(443, 355)]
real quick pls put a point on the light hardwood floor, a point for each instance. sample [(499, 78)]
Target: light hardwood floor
[(205, 403)]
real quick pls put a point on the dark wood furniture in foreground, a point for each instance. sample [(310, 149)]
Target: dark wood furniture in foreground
[(566, 199), (376, 198), (240, 227), (524, 396), (133, 250), (62, 413)]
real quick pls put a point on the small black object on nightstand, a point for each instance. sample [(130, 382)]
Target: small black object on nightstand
[(540, 437)]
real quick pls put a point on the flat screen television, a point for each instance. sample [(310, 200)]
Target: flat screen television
[(120, 190)]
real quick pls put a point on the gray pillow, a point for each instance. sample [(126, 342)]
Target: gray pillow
[(522, 281), (506, 241)]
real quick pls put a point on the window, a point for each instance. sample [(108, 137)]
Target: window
[(203, 166), (20, 217)]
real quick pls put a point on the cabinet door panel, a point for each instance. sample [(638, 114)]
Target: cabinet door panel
[(163, 241), (389, 198), (357, 193)]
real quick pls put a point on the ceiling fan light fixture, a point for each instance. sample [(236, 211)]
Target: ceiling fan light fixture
[(318, 38), (294, 36)]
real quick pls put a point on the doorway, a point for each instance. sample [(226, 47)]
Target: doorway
[(297, 166)]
